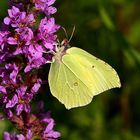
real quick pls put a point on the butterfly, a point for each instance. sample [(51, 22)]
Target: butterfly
[(76, 76)]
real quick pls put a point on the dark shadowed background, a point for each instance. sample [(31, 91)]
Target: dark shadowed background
[(109, 30)]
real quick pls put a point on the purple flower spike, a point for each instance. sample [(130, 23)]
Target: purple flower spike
[(26, 43)]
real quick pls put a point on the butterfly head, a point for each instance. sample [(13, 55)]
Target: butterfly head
[(60, 49)]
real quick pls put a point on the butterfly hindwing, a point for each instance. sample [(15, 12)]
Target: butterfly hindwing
[(67, 87)]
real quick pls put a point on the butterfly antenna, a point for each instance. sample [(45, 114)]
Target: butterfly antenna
[(66, 34), (72, 34)]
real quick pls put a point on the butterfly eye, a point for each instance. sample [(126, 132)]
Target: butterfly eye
[(75, 84)]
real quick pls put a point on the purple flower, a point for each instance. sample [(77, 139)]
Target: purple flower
[(5, 55), (45, 6), (22, 107), (11, 103), (14, 71), (47, 28), (24, 47), (18, 19), (8, 136), (29, 134), (34, 63), (9, 73), (36, 86), (15, 17), (3, 39), (34, 50), (12, 41), (4, 52), (20, 100), (3, 45), (34, 53), (49, 133), (3, 90), (24, 99), (25, 35), (9, 113)]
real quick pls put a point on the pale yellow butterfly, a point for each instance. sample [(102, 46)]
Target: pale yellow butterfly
[(76, 76)]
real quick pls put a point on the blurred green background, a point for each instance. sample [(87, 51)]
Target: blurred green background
[(110, 30)]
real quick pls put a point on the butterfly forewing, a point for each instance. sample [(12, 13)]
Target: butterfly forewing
[(93, 72)]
